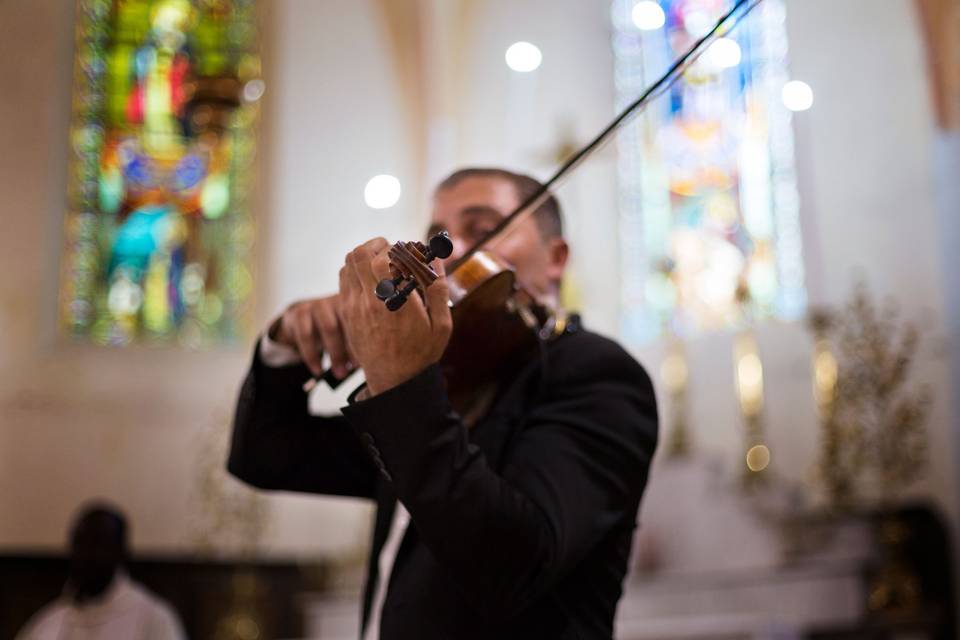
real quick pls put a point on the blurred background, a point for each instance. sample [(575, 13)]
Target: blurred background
[(775, 240)]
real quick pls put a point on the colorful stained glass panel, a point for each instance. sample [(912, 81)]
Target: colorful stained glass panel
[(709, 206), (158, 231)]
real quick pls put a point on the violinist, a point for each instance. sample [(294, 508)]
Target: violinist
[(504, 510)]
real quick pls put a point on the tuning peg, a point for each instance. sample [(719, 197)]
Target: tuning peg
[(387, 287), (440, 246), (413, 259), (398, 299)]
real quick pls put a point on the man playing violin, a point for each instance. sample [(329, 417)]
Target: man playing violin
[(507, 516)]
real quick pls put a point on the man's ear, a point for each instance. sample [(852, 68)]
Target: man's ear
[(558, 251)]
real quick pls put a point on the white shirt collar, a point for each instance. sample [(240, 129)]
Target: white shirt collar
[(119, 595)]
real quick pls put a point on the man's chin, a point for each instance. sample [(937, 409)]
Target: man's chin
[(91, 589)]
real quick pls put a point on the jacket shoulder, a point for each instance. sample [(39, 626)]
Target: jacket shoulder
[(585, 355)]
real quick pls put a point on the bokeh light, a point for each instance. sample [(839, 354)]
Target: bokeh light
[(382, 192), (523, 57), (797, 95), (758, 458), (724, 53), (647, 15)]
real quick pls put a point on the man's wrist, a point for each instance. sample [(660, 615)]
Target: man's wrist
[(274, 353), (273, 329), (381, 381)]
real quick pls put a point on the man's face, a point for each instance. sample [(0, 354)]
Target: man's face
[(474, 206), (95, 555)]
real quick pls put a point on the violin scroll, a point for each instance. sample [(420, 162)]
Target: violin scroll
[(409, 266)]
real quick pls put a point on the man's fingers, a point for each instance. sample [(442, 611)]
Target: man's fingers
[(359, 260), (376, 245), (351, 356), (346, 289), (381, 265), (438, 305), (310, 349), (348, 282), (331, 333)]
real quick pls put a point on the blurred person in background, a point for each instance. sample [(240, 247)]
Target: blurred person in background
[(100, 602)]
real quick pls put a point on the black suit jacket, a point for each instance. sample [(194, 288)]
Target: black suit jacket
[(520, 527)]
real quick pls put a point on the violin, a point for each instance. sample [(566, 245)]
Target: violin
[(497, 324)]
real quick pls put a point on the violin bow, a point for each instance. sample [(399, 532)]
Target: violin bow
[(724, 25)]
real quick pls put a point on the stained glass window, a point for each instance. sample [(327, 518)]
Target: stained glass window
[(710, 234), (158, 231)]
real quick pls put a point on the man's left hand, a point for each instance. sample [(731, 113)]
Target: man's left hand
[(391, 346)]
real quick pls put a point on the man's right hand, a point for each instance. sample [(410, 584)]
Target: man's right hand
[(313, 327)]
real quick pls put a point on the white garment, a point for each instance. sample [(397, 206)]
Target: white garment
[(275, 354), (398, 527), (126, 611)]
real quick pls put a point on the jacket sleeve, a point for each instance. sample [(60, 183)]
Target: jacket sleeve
[(277, 444), (575, 471)]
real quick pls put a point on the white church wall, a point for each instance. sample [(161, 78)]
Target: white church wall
[(332, 121), (946, 163)]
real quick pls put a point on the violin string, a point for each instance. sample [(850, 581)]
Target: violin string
[(658, 88)]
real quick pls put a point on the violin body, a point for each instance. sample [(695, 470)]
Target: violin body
[(495, 324)]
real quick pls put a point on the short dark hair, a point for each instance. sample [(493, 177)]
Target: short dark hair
[(103, 511), (548, 215)]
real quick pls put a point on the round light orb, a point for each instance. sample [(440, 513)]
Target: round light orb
[(647, 15), (215, 196), (750, 373), (758, 458), (523, 57), (724, 53), (673, 371), (381, 192), (825, 369), (797, 95), (253, 90), (124, 297), (192, 284), (697, 23), (212, 308)]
